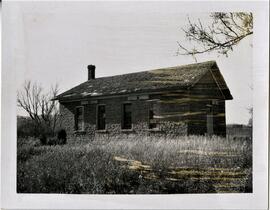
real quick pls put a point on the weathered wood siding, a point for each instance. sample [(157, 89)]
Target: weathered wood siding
[(206, 98)]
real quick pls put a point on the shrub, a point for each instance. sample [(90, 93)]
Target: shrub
[(47, 138), (43, 139), (52, 141), (62, 136)]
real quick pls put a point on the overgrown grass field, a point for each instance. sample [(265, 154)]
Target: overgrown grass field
[(193, 164)]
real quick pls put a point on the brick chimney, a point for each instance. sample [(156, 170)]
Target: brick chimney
[(91, 72)]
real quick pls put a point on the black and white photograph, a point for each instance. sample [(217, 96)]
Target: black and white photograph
[(133, 98)]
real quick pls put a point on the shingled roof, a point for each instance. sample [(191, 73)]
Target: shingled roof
[(178, 77)]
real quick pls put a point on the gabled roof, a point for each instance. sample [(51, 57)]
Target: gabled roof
[(178, 77)]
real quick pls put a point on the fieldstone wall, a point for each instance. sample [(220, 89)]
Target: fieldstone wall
[(166, 128), (67, 116)]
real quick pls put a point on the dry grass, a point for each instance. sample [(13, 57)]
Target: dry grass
[(194, 164)]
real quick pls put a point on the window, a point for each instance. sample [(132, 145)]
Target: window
[(79, 121), (127, 121), (101, 117), (152, 121)]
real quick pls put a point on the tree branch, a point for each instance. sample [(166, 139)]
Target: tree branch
[(221, 36)]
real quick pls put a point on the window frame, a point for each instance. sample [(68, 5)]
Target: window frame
[(76, 119), (123, 116), (97, 117)]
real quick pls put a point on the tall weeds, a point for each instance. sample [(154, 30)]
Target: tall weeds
[(135, 166)]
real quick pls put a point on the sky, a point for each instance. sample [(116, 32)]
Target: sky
[(53, 42)]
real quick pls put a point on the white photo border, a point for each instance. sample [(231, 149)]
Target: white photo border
[(256, 200)]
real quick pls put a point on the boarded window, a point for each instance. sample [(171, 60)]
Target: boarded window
[(152, 120), (127, 118), (79, 118), (101, 117)]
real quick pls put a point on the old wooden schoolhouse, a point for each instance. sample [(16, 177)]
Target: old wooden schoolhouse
[(167, 102)]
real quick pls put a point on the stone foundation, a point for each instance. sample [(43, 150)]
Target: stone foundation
[(114, 132)]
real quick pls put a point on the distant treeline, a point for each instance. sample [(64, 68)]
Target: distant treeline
[(239, 130), (26, 127)]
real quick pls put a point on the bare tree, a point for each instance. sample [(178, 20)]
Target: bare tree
[(38, 104), (225, 32)]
